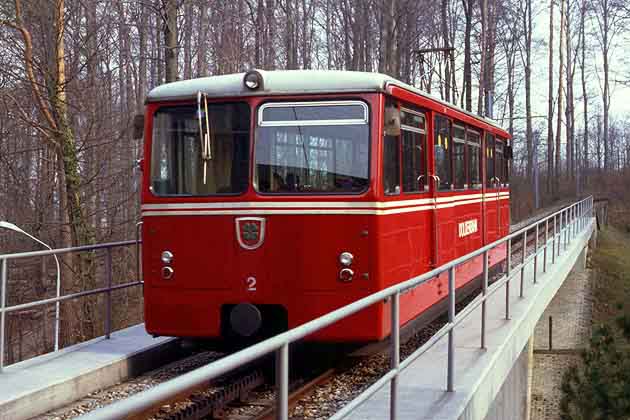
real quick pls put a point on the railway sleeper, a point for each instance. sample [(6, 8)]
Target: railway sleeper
[(214, 405)]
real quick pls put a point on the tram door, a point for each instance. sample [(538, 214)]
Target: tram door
[(491, 196), (442, 182), (501, 173), (415, 184)]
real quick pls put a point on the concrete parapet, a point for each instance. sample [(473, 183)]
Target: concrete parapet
[(53, 380)]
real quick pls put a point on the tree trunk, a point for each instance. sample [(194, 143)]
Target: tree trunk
[(388, 55), (527, 29), (467, 88), (482, 61), (445, 37), (570, 110), (81, 233), (557, 172), (585, 162), (202, 40), (550, 170), (188, 29), (170, 40), (142, 59)]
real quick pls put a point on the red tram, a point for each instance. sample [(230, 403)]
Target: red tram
[(271, 198)]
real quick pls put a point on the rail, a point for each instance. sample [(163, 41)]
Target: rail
[(567, 223), (4, 269)]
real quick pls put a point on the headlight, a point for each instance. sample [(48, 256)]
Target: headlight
[(346, 259), (167, 257), (253, 80)]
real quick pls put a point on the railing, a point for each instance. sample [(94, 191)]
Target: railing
[(4, 268), (567, 223)]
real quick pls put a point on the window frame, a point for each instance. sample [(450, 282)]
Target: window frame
[(425, 160), (449, 121), (260, 122), (504, 169), (489, 181), (248, 182), (480, 155), (457, 124), (305, 103)]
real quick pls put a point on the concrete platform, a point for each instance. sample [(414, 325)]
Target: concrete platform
[(479, 374), (50, 381)]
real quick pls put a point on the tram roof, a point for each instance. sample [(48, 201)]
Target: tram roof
[(291, 82)]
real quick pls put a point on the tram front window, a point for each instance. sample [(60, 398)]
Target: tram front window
[(312, 147), (178, 164)]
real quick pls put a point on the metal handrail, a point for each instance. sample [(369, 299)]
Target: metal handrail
[(578, 214), (58, 251), (4, 268)]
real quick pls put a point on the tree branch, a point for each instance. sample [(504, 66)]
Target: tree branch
[(28, 62)]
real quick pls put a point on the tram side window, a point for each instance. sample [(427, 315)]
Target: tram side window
[(474, 158), (391, 165), (412, 124), (490, 174), (503, 166), (442, 152), (500, 161), (459, 155)]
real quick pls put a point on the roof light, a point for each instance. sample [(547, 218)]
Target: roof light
[(253, 80)]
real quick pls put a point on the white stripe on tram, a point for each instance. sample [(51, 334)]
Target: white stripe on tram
[(287, 208), (318, 204)]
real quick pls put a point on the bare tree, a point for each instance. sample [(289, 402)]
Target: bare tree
[(550, 165), (585, 154), (467, 85), (169, 10), (558, 169)]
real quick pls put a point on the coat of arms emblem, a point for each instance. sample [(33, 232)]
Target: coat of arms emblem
[(250, 231)]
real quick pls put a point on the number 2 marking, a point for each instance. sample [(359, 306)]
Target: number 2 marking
[(251, 284)]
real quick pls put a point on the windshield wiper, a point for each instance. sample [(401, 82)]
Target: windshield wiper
[(205, 139)]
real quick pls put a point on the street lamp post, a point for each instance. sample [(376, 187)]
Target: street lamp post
[(15, 228)]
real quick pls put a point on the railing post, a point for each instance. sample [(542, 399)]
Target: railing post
[(138, 239), (282, 382), (560, 232), (546, 245), (553, 243), (57, 306), (108, 296), (484, 291), (572, 223), (566, 228), (569, 225), (3, 304), (507, 283), (450, 374), (562, 221), (536, 255), (394, 355), (524, 254)]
